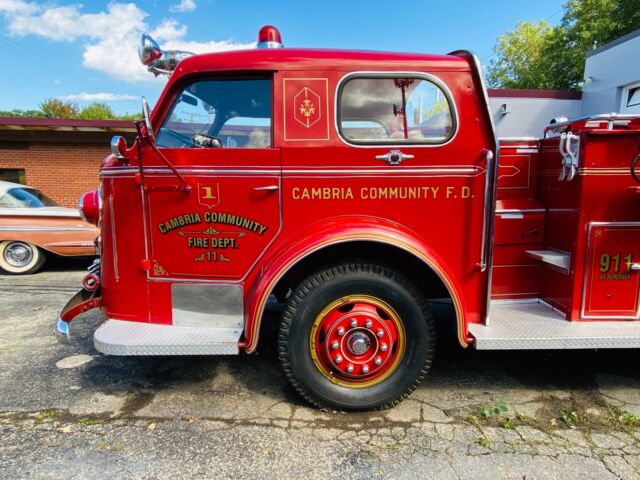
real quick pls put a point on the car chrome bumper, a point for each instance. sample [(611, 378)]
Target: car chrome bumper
[(62, 331), (83, 300)]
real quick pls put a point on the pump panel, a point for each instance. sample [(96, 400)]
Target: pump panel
[(612, 281)]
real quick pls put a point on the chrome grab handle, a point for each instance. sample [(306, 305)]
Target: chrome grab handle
[(635, 266), (394, 157), (569, 157), (489, 209), (266, 188)]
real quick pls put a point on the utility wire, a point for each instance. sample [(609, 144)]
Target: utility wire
[(20, 52)]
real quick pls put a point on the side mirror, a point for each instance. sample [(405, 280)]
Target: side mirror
[(118, 146), (146, 117)]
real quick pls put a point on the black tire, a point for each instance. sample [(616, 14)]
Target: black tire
[(321, 289), (32, 262)]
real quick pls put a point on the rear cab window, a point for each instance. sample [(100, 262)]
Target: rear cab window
[(376, 109)]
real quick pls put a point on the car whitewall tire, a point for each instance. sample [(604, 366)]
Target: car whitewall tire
[(19, 258)]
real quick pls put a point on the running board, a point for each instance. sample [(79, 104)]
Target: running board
[(537, 326), (118, 337)]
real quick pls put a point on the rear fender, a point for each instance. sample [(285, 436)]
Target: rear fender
[(336, 231)]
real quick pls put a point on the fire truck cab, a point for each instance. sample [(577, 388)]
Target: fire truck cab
[(355, 188)]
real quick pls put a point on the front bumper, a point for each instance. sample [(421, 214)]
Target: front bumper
[(83, 300)]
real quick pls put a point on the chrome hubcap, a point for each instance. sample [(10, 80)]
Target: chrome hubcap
[(18, 254), (358, 343)]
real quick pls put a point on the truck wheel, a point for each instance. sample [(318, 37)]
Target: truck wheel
[(356, 336), (19, 258)]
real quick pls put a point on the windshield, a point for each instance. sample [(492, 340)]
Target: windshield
[(220, 113), (25, 198)]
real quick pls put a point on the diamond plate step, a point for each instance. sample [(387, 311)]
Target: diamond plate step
[(536, 326), (118, 337)]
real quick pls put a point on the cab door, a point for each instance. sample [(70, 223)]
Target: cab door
[(218, 137)]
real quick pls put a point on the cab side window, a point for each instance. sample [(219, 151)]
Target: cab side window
[(389, 109), (219, 114)]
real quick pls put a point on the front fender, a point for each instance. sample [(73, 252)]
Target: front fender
[(332, 232)]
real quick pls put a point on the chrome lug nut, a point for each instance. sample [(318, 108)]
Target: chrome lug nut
[(368, 324), (341, 331), (339, 359), (350, 368), (354, 323), (383, 347), (365, 369), (379, 332), (377, 361), (335, 345)]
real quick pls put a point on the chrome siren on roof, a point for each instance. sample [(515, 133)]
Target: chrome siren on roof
[(159, 61)]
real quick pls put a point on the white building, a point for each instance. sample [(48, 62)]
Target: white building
[(612, 77), (611, 84)]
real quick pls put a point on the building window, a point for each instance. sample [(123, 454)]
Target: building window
[(15, 175), (393, 109), (631, 99)]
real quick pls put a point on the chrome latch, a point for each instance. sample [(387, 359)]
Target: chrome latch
[(634, 267), (394, 157), (570, 150)]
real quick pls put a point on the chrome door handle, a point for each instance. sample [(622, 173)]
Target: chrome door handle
[(394, 157), (635, 266), (266, 188)]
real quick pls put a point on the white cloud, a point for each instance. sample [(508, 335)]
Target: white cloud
[(184, 6), (110, 37), (98, 97)]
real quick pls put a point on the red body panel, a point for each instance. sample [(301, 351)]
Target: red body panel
[(250, 215), (328, 192)]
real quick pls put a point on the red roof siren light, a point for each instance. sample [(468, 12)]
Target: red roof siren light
[(269, 37)]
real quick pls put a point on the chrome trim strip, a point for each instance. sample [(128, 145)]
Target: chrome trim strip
[(496, 161), (603, 117), (463, 170), (390, 74), (45, 229), (114, 248), (586, 265), (524, 210), (518, 139), (387, 172), (559, 312), (521, 147), (487, 211), (192, 279)]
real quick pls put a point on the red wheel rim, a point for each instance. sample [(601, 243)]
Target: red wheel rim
[(357, 341)]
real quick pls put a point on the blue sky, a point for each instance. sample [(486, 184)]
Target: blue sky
[(87, 51)]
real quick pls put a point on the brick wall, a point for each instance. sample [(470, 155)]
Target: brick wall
[(62, 171)]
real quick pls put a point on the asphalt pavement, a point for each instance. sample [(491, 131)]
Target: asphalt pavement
[(67, 411)]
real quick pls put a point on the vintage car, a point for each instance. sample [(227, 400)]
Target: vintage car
[(33, 226)]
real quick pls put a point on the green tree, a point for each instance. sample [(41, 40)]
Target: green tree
[(16, 112), (585, 25), (520, 57), (97, 111), (56, 108), (555, 57)]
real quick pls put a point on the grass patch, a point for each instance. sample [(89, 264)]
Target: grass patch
[(109, 447), (45, 415), (88, 421)]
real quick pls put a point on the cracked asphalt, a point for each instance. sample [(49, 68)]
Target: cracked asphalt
[(70, 412)]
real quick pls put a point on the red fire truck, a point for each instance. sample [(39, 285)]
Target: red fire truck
[(355, 188)]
